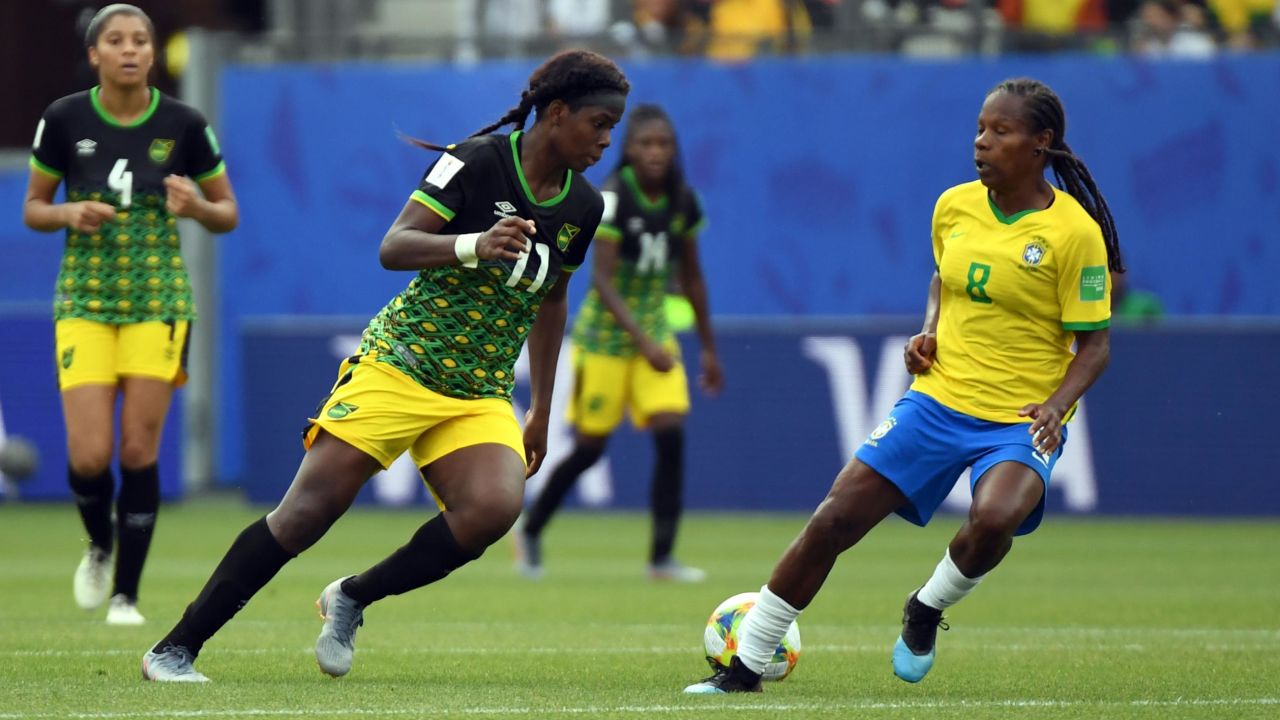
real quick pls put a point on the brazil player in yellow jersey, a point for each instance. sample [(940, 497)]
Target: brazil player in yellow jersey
[(626, 359), (1022, 276), (131, 159), (435, 368)]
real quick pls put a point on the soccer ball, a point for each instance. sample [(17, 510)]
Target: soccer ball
[(720, 640)]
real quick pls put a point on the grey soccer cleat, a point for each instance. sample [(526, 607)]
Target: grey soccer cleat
[(93, 578), (172, 664), (336, 645)]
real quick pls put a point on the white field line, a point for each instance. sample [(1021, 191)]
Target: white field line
[(650, 650), (695, 707)]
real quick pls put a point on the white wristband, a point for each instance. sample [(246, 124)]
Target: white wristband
[(465, 248)]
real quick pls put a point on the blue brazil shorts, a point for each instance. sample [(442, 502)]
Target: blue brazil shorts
[(924, 447)]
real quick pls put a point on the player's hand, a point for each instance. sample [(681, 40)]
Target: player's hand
[(1046, 426), (658, 357), (712, 378), (535, 440), (506, 240), (919, 352), (181, 197), (87, 216)]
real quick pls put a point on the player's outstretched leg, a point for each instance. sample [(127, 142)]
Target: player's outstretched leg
[(915, 650), (171, 663), (736, 678), (336, 645)]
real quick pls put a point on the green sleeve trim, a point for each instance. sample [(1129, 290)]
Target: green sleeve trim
[(1100, 325), (37, 165), (434, 204), (569, 268), (217, 170), (608, 232), (696, 230)]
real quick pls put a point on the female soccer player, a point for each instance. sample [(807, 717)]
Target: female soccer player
[(625, 354), (435, 368), (123, 304), (1021, 275)]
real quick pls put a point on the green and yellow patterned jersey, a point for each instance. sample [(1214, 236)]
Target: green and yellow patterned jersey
[(1014, 292), (651, 235), (457, 330), (131, 269)]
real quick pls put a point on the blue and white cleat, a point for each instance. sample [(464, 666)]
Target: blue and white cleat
[(172, 664), (736, 678), (916, 649), (336, 646)]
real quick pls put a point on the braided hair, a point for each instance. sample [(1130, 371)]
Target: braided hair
[(1043, 111), (638, 116), (568, 76)]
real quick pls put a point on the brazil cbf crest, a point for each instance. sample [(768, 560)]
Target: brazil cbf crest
[(881, 430), (1033, 253)]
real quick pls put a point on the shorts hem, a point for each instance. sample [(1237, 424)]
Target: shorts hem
[(427, 460), (357, 443)]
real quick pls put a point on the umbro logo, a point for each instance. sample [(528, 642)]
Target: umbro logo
[(505, 209), (86, 147)]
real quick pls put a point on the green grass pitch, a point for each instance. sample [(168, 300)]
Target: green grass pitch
[(1087, 619)]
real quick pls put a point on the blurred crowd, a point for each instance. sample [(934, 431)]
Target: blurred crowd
[(739, 29)]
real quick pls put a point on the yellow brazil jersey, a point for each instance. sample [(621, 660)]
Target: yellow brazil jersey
[(1014, 290)]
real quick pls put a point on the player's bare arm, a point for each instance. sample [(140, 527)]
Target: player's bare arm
[(1093, 353)]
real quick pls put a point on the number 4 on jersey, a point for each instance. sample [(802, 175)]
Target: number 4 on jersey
[(121, 180)]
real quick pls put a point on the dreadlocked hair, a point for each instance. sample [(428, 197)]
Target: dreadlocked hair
[(568, 75), (638, 116), (1044, 111)]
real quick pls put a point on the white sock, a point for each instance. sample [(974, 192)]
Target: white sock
[(763, 628), (948, 585)]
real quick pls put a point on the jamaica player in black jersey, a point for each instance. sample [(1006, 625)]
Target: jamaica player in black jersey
[(435, 368), (625, 354), (128, 155)]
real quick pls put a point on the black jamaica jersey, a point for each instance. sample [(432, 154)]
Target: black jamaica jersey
[(131, 269), (457, 330), (651, 236)]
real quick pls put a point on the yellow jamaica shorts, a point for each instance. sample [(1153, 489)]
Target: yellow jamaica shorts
[(606, 385), (383, 412), (94, 353)]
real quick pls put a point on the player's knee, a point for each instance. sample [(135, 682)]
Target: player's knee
[(834, 524), (137, 453), (89, 459), (482, 524), (994, 524)]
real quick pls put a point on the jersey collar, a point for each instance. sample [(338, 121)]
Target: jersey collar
[(628, 175), (515, 156), (109, 119)]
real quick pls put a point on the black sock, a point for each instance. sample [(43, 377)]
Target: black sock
[(430, 554), (667, 489), (558, 485), (253, 559), (136, 517), (93, 498)]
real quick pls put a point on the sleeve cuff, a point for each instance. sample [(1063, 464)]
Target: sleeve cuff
[(217, 170), (45, 169), (1099, 325), (434, 204)]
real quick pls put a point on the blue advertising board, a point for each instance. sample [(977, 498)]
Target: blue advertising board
[(1170, 428)]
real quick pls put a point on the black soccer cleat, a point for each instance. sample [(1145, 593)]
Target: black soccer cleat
[(737, 678), (914, 652)]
